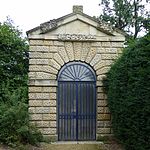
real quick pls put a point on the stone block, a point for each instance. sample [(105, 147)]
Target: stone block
[(36, 42), (52, 95), (41, 55), (42, 61), (32, 96), (35, 116), (48, 42), (63, 54), (106, 44), (95, 60), (45, 82), (53, 110), (42, 110), (39, 49), (100, 90), (42, 124), (102, 103), (77, 50), (49, 89), (100, 96), (49, 102), (31, 110), (32, 75), (54, 64), (108, 62), (101, 77), (106, 110), (48, 131), (31, 82), (58, 59), (99, 65), (117, 44), (85, 50), (119, 50), (53, 124), (109, 56), (43, 75), (69, 50), (32, 61), (58, 43), (99, 83), (101, 50), (35, 89), (103, 130), (49, 116), (42, 96), (97, 44), (91, 54), (35, 103), (103, 117), (53, 49), (107, 124), (100, 124), (100, 110), (102, 71), (111, 50)]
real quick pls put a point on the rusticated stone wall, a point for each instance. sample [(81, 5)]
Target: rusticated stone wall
[(46, 59)]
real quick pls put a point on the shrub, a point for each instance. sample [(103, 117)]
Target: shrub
[(128, 90)]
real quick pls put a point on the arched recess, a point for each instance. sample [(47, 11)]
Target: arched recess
[(76, 102)]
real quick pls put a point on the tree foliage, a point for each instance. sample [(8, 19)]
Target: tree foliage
[(128, 90), (128, 15), (14, 117)]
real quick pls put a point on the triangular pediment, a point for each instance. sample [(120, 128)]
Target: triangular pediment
[(74, 24)]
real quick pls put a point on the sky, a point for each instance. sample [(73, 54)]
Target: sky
[(27, 14)]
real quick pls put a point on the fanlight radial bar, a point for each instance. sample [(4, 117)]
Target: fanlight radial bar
[(76, 71)]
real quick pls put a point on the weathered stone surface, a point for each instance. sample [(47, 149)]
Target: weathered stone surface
[(49, 89), (100, 110), (106, 110), (43, 75), (63, 54), (54, 64), (77, 50), (100, 96), (39, 61), (97, 44), (48, 131), (69, 50), (101, 50), (111, 50), (99, 65), (36, 42), (58, 59), (102, 103), (109, 56), (32, 110), (39, 48), (102, 70), (100, 90), (41, 55), (53, 124), (32, 75), (117, 44), (106, 44), (85, 50), (52, 95), (41, 68), (58, 43), (36, 117), (49, 102), (49, 116), (101, 77), (96, 59), (32, 96), (48, 42), (42, 96), (91, 54), (35, 89), (42, 110), (35, 103), (53, 49), (103, 116), (44, 82), (103, 130), (99, 83), (53, 110), (42, 124)]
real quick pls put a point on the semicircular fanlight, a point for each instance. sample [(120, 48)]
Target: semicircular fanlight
[(76, 71)]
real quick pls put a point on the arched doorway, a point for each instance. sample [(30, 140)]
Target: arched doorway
[(76, 102)]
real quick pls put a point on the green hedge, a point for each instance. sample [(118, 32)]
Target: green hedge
[(128, 90)]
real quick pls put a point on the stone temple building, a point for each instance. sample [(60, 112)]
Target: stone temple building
[(69, 57)]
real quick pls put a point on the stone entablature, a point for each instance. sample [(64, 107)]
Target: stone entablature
[(51, 50)]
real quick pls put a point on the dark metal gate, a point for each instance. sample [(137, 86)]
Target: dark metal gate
[(76, 103)]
